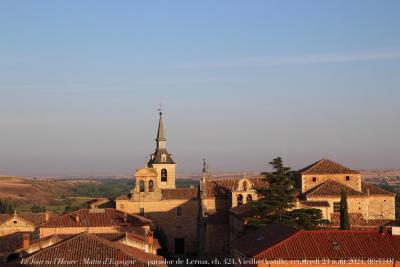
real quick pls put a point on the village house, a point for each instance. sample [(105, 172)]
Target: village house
[(86, 249)]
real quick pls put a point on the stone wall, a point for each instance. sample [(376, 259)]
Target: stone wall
[(307, 181), (164, 214)]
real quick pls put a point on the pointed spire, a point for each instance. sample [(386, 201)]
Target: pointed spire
[(161, 131), (204, 165)]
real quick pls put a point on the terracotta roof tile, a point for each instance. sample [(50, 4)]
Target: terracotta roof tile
[(315, 203), (92, 247), (96, 218), (374, 190), (333, 244), (255, 242), (12, 242), (326, 166), (222, 188), (331, 188), (357, 222), (34, 218), (179, 193)]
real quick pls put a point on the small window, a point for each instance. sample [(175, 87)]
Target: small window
[(163, 158), (244, 186), (314, 179), (347, 178), (141, 185), (239, 200), (336, 206), (164, 175), (141, 211), (151, 186), (179, 211)]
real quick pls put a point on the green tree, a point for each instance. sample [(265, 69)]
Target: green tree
[(278, 200), (6, 207), (162, 239), (344, 212), (37, 209)]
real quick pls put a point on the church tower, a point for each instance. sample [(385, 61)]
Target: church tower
[(161, 161)]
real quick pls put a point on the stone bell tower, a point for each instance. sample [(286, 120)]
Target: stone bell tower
[(161, 161)]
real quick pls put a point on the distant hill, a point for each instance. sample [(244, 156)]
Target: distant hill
[(41, 192)]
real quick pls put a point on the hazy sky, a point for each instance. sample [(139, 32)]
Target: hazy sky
[(240, 81)]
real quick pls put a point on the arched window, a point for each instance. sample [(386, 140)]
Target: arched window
[(249, 198), (164, 175), (239, 200), (151, 186), (141, 186)]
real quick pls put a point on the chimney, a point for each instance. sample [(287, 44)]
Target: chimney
[(25, 240), (150, 237), (46, 216)]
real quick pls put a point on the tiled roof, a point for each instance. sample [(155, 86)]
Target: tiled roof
[(334, 245), (12, 241), (357, 222), (331, 188), (96, 218), (255, 242), (334, 188), (315, 203), (222, 188), (34, 218), (179, 193), (374, 190), (88, 246), (326, 166)]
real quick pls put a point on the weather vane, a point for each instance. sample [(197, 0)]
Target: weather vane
[(160, 109)]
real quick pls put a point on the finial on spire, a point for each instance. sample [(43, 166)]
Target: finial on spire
[(204, 165), (160, 109)]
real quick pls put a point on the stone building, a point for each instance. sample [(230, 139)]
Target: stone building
[(23, 222), (321, 184), (156, 197)]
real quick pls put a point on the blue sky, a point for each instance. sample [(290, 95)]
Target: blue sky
[(240, 81)]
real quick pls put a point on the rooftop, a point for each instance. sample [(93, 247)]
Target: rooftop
[(327, 166), (91, 247), (96, 218)]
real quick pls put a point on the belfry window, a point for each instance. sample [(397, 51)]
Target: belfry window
[(239, 200), (141, 186), (164, 175), (163, 158), (151, 186), (249, 198)]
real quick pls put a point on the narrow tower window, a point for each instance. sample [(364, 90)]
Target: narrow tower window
[(141, 186), (244, 186), (151, 186), (239, 200), (164, 175), (163, 158)]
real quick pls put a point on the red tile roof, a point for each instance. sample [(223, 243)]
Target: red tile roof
[(315, 203), (222, 188), (96, 218), (88, 246), (333, 244), (34, 218), (334, 188), (255, 242), (12, 242), (357, 222), (374, 190), (326, 166), (331, 188), (179, 193)]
